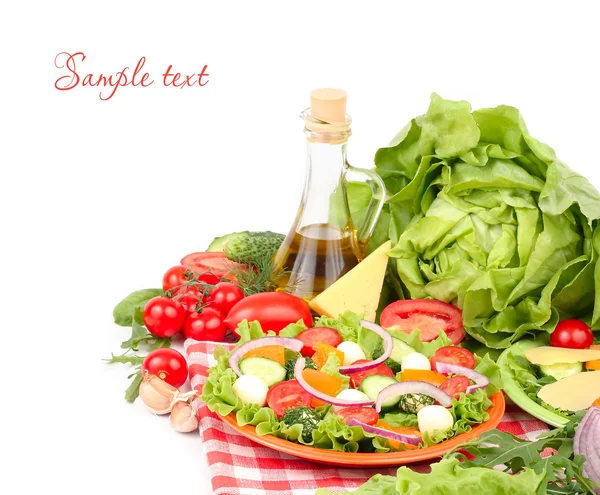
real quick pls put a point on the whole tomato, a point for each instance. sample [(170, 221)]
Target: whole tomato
[(189, 297), (273, 310), (168, 364), (174, 277), (207, 325), (224, 296), (163, 316), (574, 334)]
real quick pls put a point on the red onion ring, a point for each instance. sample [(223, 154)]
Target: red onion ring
[(413, 387), (481, 381), (299, 368), (388, 345), (382, 432), (237, 354), (586, 442)]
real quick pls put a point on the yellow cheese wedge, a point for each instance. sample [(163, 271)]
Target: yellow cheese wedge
[(358, 290), (547, 355), (573, 393)]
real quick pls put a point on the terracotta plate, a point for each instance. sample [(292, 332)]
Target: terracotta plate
[(349, 459)]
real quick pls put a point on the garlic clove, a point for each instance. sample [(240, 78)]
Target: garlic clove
[(157, 394), (183, 417)]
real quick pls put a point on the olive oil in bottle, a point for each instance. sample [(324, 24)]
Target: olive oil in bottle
[(316, 256)]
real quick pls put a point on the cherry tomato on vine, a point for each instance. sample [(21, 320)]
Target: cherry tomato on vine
[(168, 364), (224, 296), (163, 316), (189, 297), (573, 334), (174, 277), (207, 325)]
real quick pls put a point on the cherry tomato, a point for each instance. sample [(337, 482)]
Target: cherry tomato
[(168, 364), (207, 325), (367, 415), (455, 386), (287, 395), (189, 297), (453, 355), (314, 336), (273, 310), (209, 278), (357, 377), (174, 277), (164, 316), (429, 315), (224, 297), (573, 334)]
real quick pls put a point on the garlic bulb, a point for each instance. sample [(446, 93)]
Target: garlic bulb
[(157, 394), (183, 417)]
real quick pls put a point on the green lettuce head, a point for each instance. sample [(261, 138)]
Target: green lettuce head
[(484, 216)]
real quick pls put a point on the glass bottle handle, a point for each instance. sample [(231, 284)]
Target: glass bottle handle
[(378, 197)]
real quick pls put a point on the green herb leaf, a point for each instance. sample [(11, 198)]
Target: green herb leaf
[(125, 310), (133, 390), (138, 333), (123, 358)]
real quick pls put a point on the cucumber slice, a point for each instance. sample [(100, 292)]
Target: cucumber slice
[(561, 370), (400, 350), (267, 370), (374, 384)]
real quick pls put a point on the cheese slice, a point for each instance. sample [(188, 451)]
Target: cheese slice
[(573, 393), (358, 290), (547, 355)]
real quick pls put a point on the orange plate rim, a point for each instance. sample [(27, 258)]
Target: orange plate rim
[(349, 459)]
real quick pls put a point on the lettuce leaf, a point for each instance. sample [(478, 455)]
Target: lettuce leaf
[(484, 216)]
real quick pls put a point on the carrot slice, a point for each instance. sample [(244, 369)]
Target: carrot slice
[(323, 382), (593, 365), (322, 354), (596, 402), (273, 352), (403, 430), (432, 377)]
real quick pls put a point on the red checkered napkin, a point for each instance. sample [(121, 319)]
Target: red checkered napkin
[(238, 466)]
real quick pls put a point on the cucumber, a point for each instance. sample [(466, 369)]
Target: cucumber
[(218, 243), (374, 384), (400, 350), (559, 371), (270, 372)]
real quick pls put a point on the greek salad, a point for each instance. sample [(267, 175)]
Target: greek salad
[(350, 385)]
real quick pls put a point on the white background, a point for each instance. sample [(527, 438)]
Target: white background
[(99, 198)]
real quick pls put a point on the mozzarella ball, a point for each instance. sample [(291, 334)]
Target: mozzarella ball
[(251, 389), (432, 418), (350, 394), (416, 361), (352, 352)]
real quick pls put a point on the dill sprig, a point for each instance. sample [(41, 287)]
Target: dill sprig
[(262, 276)]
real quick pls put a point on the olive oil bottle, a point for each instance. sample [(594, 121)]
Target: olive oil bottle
[(323, 243)]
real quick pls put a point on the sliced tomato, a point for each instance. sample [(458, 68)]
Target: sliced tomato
[(367, 415), (432, 377), (313, 336), (428, 315), (287, 395), (452, 354), (455, 386), (357, 377), (215, 262)]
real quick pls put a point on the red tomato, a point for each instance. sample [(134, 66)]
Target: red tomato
[(168, 364), (164, 316), (189, 297), (273, 310), (455, 386), (573, 334), (429, 315), (287, 395), (367, 415), (174, 277), (359, 376), (313, 336), (453, 355), (207, 325), (216, 262), (224, 297)]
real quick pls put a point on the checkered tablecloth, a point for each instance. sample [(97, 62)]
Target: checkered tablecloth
[(238, 466)]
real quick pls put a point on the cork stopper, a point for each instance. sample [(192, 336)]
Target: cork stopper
[(328, 105)]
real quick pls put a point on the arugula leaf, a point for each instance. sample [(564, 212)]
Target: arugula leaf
[(132, 391), (140, 335), (125, 310), (123, 358)]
